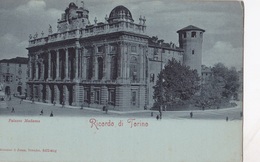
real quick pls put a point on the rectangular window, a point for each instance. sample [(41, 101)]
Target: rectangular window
[(111, 97), (193, 34), (133, 99), (113, 49), (133, 49), (97, 96), (87, 95), (100, 49), (152, 77), (184, 35)]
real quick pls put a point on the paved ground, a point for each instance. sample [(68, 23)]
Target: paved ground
[(26, 108)]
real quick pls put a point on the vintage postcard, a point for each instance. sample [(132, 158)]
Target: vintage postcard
[(117, 80)]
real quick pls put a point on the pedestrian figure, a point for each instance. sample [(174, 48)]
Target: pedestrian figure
[(54, 103), (12, 110), (81, 107), (32, 101), (157, 117), (41, 112), (191, 114), (51, 115), (104, 108), (227, 118), (151, 113), (160, 115)]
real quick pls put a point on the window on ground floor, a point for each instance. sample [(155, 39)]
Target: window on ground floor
[(97, 96), (134, 98), (111, 97)]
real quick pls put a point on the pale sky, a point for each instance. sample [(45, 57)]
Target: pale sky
[(223, 22)]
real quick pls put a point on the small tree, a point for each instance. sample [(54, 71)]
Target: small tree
[(175, 83)]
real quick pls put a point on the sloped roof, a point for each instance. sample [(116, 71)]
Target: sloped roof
[(17, 60), (190, 27)]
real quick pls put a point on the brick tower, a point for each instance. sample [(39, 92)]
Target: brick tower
[(190, 39)]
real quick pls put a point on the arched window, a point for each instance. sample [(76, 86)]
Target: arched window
[(134, 69), (100, 68), (113, 70)]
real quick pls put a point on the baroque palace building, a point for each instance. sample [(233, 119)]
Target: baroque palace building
[(113, 62)]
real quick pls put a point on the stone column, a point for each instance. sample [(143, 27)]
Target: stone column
[(65, 95), (128, 63), (36, 68), (49, 65), (94, 64), (42, 70), (105, 63), (80, 63), (84, 68), (57, 65), (56, 94), (104, 94), (30, 68), (108, 67), (29, 93), (141, 64), (77, 62), (95, 68), (120, 61), (48, 94), (66, 64), (40, 90)]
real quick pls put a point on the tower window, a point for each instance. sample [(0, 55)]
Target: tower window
[(193, 52), (100, 49), (184, 35), (193, 34), (133, 49)]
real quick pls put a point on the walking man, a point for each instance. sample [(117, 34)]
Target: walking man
[(12, 110)]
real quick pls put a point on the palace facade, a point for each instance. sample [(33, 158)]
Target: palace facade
[(13, 76), (113, 62)]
